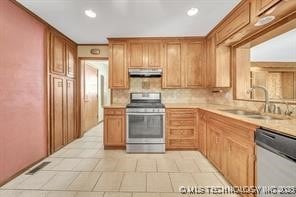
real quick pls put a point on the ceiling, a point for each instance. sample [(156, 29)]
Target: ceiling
[(130, 18)]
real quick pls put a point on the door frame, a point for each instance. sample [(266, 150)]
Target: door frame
[(81, 90)]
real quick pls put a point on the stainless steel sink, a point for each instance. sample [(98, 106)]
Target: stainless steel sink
[(240, 112)]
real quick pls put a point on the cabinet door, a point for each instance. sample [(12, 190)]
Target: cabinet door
[(239, 163), (57, 55), (71, 61), (118, 70), (136, 54), (154, 54), (173, 65), (193, 63), (214, 145), (264, 5), (211, 62), (202, 131), (70, 111), (57, 113), (114, 127)]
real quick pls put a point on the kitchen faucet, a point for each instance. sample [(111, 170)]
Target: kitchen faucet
[(267, 102)]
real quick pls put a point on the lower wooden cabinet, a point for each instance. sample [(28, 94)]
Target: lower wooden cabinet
[(181, 129), (202, 132), (231, 148), (114, 127), (63, 112)]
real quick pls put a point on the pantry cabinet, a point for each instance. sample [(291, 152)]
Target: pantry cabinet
[(114, 127), (118, 72), (145, 53), (62, 95), (181, 129)]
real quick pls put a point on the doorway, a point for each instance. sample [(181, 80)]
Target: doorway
[(95, 92)]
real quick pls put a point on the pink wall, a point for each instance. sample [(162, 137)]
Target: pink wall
[(23, 133)]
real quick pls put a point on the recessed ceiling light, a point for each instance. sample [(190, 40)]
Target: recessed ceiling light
[(90, 13), (192, 11)]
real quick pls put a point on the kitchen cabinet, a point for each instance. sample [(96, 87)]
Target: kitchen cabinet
[(202, 132), (62, 95), (181, 129), (145, 53), (214, 144), (118, 73), (63, 112), (114, 127), (70, 110), (235, 22), (71, 61), (184, 63), (263, 5), (230, 147), (57, 55), (218, 64), (193, 56), (172, 76)]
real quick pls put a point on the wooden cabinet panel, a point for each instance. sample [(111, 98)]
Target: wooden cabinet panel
[(264, 5), (71, 61), (154, 54), (214, 145), (181, 129), (238, 161), (173, 65), (114, 127), (218, 64), (57, 113), (202, 132), (136, 55), (118, 69), (234, 23), (57, 55), (71, 114), (193, 63)]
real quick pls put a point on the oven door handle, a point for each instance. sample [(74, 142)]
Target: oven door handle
[(146, 114)]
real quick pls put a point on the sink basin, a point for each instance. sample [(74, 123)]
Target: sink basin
[(240, 112), (264, 117)]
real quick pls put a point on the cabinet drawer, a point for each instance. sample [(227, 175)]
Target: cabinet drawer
[(114, 111), (181, 143), (180, 133), (181, 113), (181, 123), (237, 21)]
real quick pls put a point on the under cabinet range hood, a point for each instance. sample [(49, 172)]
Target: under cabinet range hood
[(135, 72)]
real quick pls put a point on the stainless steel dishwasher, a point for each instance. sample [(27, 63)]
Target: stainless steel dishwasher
[(276, 163)]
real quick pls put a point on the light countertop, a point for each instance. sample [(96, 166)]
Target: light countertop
[(286, 126)]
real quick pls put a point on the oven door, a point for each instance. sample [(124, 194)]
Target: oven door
[(145, 128)]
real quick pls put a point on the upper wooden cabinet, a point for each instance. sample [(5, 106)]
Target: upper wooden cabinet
[(118, 73), (145, 53), (57, 55), (70, 61), (172, 77), (62, 56), (194, 63), (236, 21), (184, 63), (218, 64), (264, 5)]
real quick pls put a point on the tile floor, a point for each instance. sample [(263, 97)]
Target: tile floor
[(84, 169)]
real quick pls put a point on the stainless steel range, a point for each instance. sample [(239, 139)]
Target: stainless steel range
[(145, 123)]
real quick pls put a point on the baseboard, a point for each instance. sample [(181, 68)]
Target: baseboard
[(21, 171)]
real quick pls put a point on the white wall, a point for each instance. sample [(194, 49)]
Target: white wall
[(102, 66), (279, 49)]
